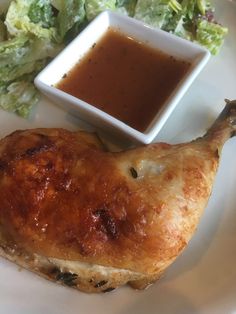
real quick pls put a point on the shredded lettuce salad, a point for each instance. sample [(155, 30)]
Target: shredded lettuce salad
[(34, 31)]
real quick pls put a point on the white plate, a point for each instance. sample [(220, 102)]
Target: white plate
[(203, 279)]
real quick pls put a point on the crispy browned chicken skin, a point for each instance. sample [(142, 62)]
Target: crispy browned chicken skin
[(76, 213)]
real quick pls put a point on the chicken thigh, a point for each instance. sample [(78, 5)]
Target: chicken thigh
[(92, 219)]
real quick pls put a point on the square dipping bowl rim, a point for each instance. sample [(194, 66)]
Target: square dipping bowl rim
[(166, 42)]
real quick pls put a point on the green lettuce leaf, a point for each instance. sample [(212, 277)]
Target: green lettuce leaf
[(24, 54), (189, 19), (203, 6), (178, 27), (41, 12), (31, 17), (18, 97), (178, 24), (14, 50), (210, 35), (32, 33), (13, 72), (3, 31), (157, 13), (71, 14), (94, 7), (126, 6)]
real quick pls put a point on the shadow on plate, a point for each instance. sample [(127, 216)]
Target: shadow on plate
[(159, 301)]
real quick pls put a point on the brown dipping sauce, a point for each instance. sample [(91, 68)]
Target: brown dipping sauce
[(125, 78)]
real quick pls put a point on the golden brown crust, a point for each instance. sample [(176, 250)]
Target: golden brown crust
[(63, 196)]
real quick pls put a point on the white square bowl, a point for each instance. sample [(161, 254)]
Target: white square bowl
[(155, 38)]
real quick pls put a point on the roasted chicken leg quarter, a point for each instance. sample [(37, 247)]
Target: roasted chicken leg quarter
[(85, 217)]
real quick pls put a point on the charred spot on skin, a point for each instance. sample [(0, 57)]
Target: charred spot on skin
[(108, 290), (2, 165), (67, 278), (32, 151), (133, 172), (101, 283), (108, 224), (217, 155), (49, 165), (37, 149), (233, 133), (185, 211)]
